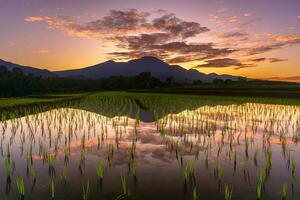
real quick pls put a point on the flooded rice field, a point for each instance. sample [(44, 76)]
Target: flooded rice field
[(113, 146)]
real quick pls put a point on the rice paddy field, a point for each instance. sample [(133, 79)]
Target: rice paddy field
[(118, 145)]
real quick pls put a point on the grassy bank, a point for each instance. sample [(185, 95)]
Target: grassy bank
[(7, 103), (274, 92)]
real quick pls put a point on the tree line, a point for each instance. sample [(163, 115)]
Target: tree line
[(15, 82)]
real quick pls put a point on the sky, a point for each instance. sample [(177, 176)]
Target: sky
[(255, 39)]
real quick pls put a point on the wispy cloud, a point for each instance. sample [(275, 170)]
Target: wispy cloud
[(247, 14), (233, 19), (273, 60), (43, 51), (270, 60), (250, 22), (275, 42), (224, 62), (235, 34), (35, 18)]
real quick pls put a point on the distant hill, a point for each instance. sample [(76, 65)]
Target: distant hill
[(157, 67), (28, 70)]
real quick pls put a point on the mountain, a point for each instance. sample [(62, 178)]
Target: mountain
[(157, 67), (28, 70)]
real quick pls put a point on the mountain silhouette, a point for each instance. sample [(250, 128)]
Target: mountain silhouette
[(44, 73), (157, 67)]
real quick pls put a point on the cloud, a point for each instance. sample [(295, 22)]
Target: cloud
[(184, 59), (161, 48), (257, 59), (250, 22), (247, 14), (235, 34), (265, 48), (200, 48), (113, 23), (233, 19), (276, 42), (139, 33), (288, 39), (142, 40), (298, 17), (118, 20), (133, 33), (178, 27), (271, 60), (34, 18), (130, 54), (43, 51), (221, 10), (225, 62), (129, 21)]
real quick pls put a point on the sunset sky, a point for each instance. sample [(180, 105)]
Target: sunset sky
[(252, 38)]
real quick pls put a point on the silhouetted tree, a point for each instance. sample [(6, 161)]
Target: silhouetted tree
[(218, 81), (170, 81), (197, 82)]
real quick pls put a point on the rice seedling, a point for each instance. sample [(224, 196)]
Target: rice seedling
[(294, 169), (284, 191), (191, 168), (124, 185), (7, 169), (65, 174), (100, 170), (259, 190), (21, 187), (52, 189), (218, 171), (195, 194), (227, 193), (255, 157), (260, 185), (82, 157), (86, 191), (134, 169), (51, 160), (185, 171), (33, 173)]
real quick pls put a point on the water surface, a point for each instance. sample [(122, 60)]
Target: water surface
[(187, 153)]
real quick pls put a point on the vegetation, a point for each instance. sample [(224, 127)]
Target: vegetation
[(33, 100), (86, 191), (224, 141), (21, 187), (15, 84)]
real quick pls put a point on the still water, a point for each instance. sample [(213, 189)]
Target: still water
[(233, 151)]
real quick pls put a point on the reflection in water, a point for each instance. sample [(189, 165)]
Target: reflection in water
[(247, 150)]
